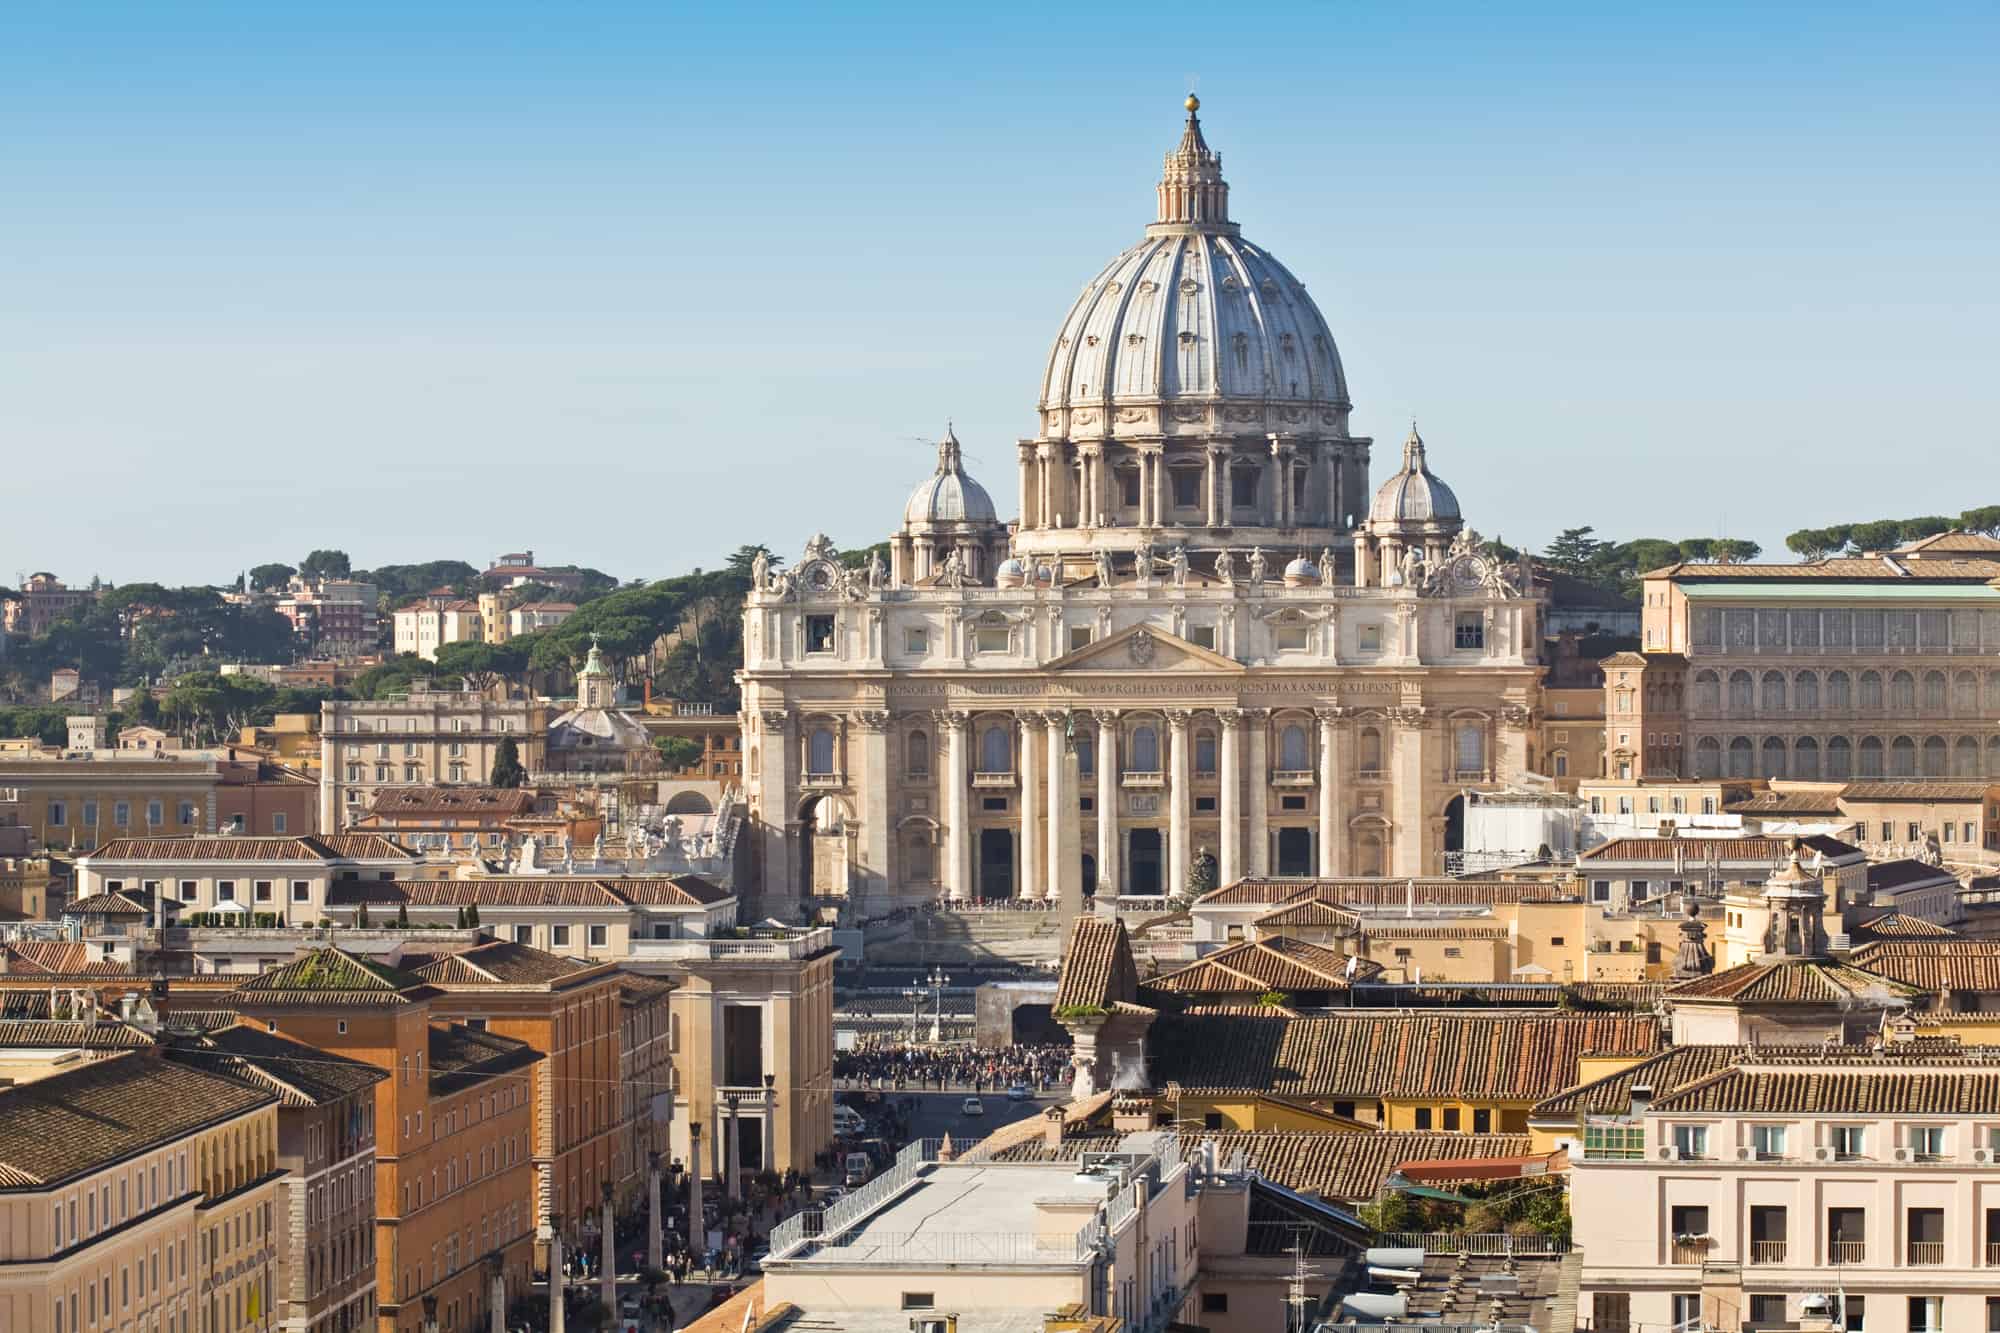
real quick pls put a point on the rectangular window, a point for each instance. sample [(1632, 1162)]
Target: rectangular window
[(1850, 1142), (1369, 638), (90, 814), (1692, 1140), (1927, 1143), (1469, 630), (278, 821), (558, 936), (1079, 636), (524, 934), (599, 936), (1451, 1119), (1293, 638), (262, 890), (58, 814), (819, 634), (1215, 1302), (1423, 1117), (155, 814), (121, 814), (917, 640), (225, 890), (301, 891), (1202, 636), (918, 1300), (1768, 1141), (1187, 488), (990, 639)]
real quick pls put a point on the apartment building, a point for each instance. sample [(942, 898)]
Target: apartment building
[(428, 737), (1795, 1173), (424, 627), (454, 1124), (136, 1192), (338, 618), (287, 878), (326, 1148)]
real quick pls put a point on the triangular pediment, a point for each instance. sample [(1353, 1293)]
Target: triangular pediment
[(1144, 648)]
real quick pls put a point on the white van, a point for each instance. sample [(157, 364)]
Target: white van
[(857, 1169), (847, 1122)]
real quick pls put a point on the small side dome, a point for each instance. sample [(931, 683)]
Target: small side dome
[(949, 495), (1301, 573), (1414, 495), (1011, 574)]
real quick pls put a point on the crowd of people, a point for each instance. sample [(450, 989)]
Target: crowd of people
[(890, 1064)]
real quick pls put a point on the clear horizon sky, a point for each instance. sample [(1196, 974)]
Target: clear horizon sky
[(633, 284)]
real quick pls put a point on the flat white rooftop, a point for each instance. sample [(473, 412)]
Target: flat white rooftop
[(970, 1212)]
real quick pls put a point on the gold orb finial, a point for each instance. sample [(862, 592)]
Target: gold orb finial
[(1193, 103)]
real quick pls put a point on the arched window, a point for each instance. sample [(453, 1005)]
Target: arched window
[(1707, 693), (1294, 756), (1993, 756), (1965, 758), (1774, 692), (1965, 694), (996, 749), (1559, 763), (1772, 758), (1371, 750), (819, 752), (1805, 758), (918, 859), (1805, 692), (1934, 693), (1708, 758), (1839, 693), (1086, 755), (1839, 758), (1903, 692), (1742, 755), (917, 754), (1742, 693), (1935, 757), (1869, 764), (1470, 748), (1902, 758), (1204, 752), (1145, 748), (1871, 692)]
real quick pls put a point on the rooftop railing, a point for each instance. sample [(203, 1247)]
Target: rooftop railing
[(1473, 1243)]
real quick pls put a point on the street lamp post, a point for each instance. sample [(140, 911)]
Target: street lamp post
[(937, 982)]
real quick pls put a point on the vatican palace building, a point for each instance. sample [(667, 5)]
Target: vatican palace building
[(1203, 637)]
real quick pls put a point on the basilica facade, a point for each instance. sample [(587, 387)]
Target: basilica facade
[(1201, 638)]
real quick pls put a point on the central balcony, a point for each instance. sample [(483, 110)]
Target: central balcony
[(1767, 1251), (1926, 1253), (1151, 781), (1847, 1251), (994, 781), (1293, 777)]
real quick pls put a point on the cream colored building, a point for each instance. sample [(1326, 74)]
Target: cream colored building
[(1200, 632), (1797, 1173), (428, 737)]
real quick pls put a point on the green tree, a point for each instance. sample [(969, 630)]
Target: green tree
[(1649, 553), (678, 752), (1734, 551), (270, 576), (326, 564), (1877, 536), (1812, 543), (507, 770), (1930, 525), (403, 915), (483, 665), (1984, 520), (392, 677), (1201, 873), (1573, 550), (472, 914)]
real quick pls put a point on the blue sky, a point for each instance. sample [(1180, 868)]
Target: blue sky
[(632, 284)]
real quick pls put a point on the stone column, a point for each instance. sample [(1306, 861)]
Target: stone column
[(732, 1137), (555, 1273), (1160, 485), (957, 835), (775, 808), (1031, 811), (496, 1294), (697, 1233), (1329, 780), (607, 1281), (770, 1122), (1026, 451), (1179, 805), (1229, 861), (1412, 820), (656, 1245), (1107, 802), (1062, 804), (876, 822), (1211, 497), (1259, 860), (331, 776)]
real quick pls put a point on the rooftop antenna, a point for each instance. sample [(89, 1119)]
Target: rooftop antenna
[(1295, 1288)]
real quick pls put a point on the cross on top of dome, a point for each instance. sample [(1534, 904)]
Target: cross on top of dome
[(1192, 191)]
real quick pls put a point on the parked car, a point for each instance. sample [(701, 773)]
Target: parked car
[(972, 1106)]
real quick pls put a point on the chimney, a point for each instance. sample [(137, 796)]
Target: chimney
[(1131, 1115), (1052, 1129), (1642, 1099), (126, 1003)]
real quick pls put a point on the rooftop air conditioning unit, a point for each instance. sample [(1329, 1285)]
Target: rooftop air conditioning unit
[(1669, 1153), (1822, 1154), (1983, 1156), (1746, 1154), (1899, 1155)]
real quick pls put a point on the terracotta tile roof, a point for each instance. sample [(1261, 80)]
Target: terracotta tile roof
[(1790, 981), (298, 1074), (1442, 930), (462, 1056), (1955, 540), (86, 1118), (1370, 893), (106, 905), (1860, 1083), (316, 847), (1695, 851), (1271, 963), (1934, 965), (1855, 568), (1892, 876), (331, 975), (1097, 965), (527, 891), (1310, 912), (61, 957), (636, 989), (1353, 1168), (1787, 803), (1917, 791), (86, 1034), (1500, 1057), (502, 962), (1612, 1094), (669, 891), (1898, 926), (456, 801)]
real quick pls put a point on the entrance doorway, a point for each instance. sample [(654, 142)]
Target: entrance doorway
[(1145, 861), (996, 863), (1089, 876), (1295, 851), (1454, 824)]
